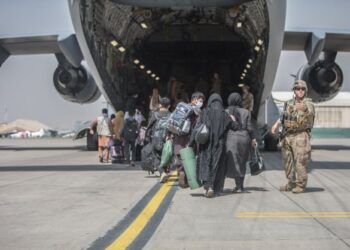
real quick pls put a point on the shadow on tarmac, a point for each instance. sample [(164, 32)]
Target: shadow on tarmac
[(152, 176), (230, 192), (329, 165), (10, 148), (226, 192), (198, 195), (313, 189), (67, 168), (249, 189), (330, 147), (256, 189)]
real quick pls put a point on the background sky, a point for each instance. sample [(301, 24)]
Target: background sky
[(313, 14), (26, 82), (27, 90)]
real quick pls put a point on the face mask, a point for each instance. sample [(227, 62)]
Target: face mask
[(199, 104)]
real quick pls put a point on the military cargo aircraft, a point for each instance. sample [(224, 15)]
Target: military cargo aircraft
[(123, 48)]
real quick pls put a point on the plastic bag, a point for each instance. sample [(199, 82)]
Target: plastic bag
[(167, 153), (189, 162)]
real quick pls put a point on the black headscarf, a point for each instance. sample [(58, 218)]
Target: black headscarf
[(234, 101), (216, 118)]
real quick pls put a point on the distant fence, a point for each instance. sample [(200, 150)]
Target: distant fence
[(330, 133)]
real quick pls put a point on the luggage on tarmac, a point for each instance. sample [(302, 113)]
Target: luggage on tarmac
[(179, 122), (147, 159), (117, 152)]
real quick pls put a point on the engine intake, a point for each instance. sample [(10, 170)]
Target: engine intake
[(324, 80), (75, 84)]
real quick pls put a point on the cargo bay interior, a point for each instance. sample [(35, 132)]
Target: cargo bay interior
[(136, 49)]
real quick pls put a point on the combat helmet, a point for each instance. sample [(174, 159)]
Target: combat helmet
[(301, 84)]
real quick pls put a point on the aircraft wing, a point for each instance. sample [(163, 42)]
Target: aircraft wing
[(313, 42), (37, 27), (30, 45), (43, 44)]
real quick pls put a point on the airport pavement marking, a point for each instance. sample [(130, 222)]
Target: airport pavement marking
[(278, 215), (130, 234)]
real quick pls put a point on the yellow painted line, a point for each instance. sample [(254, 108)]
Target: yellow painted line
[(135, 228), (277, 214)]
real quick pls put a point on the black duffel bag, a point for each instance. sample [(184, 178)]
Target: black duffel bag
[(147, 159)]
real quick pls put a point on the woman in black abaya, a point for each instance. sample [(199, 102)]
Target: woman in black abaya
[(238, 142), (211, 168)]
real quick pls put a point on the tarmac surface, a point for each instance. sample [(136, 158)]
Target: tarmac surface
[(55, 195)]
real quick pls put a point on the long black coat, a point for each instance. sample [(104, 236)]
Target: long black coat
[(238, 143), (210, 168)]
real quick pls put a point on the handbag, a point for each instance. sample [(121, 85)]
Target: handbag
[(202, 135), (256, 163)]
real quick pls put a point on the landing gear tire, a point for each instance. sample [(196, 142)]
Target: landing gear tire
[(91, 142), (271, 142)]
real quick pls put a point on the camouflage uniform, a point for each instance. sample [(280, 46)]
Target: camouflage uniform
[(296, 147)]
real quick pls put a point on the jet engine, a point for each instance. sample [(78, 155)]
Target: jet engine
[(324, 80), (75, 84)]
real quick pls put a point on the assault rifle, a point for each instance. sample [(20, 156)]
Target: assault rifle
[(282, 118)]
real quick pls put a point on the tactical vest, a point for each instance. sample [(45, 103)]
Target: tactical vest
[(296, 121)]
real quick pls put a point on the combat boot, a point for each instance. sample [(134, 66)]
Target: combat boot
[(287, 188), (298, 190)]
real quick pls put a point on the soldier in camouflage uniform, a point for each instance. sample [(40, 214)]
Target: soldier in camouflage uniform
[(297, 120)]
